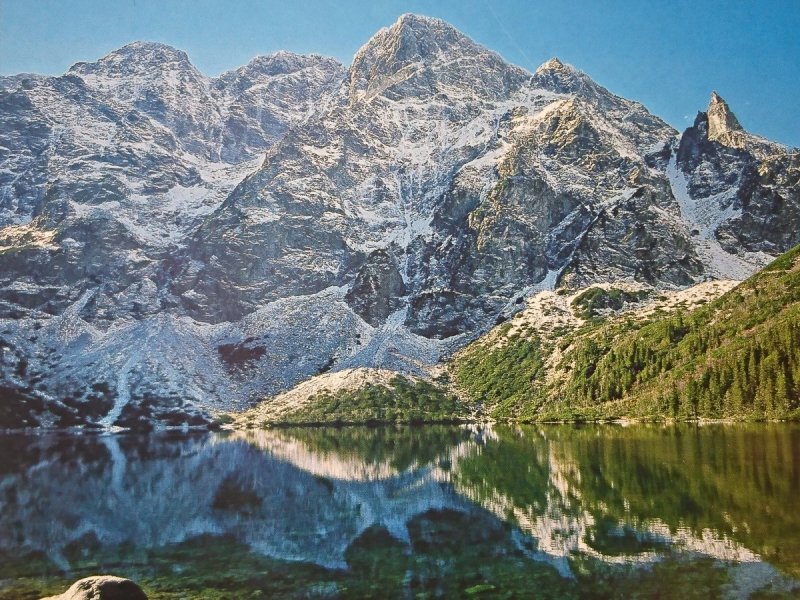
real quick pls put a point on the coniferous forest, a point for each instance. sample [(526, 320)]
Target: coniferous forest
[(737, 357)]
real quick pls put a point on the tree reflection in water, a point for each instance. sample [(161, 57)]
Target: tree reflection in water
[(601, 511)]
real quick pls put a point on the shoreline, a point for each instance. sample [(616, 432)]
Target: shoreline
[(376, 424)]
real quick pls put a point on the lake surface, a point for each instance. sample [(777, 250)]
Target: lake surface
[(408, 512)]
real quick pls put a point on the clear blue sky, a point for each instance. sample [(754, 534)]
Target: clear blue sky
[(668, 54)]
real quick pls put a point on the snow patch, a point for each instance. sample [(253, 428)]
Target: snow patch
[(704, 216)]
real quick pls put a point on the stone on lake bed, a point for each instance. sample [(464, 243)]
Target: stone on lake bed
[(102, 587)]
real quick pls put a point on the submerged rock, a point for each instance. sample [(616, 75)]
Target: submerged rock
[(102, 587)]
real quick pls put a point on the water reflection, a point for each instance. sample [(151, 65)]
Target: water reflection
[(434, 510)]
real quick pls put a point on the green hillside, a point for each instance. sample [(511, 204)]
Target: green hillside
[(737, 357), (401, 400)]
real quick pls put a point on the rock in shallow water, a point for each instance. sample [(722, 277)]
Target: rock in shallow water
[(102, 587)]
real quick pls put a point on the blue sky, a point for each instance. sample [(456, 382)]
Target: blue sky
[(668, 54)]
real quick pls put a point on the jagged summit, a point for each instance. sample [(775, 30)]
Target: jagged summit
[(721, 120), (554, 64), (563, 78), (415, 21), (136, 57), (421, 26), (278, 63), (144, 46), (421, 56), (413, 36), (285, 60), (724, 128)]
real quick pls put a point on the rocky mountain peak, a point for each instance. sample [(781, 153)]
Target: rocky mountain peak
[(283, 62), (264, 67), (554, 64), (151, 50), (422, 56), (721, 120), (137, 58), (410, 38), (420, 23), (410, 28), (561, 78), (718, 125)]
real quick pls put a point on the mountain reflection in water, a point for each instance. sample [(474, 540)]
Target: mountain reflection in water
[(438, 511)]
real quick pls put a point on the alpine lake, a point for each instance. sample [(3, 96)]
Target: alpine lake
[(471, 511)]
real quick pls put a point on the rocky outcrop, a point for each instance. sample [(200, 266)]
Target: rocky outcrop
[(102, 587), (723, 126), (377, 288), (742, 189)]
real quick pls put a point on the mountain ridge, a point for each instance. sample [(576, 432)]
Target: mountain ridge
[(189, 244)]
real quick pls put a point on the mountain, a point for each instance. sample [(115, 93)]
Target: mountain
[(105, 172), (175, 244)]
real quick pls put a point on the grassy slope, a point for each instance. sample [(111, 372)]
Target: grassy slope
[(400, 401), (737, 357)]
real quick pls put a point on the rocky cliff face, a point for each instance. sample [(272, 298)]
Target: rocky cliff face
[(153, 266), (738, 191)]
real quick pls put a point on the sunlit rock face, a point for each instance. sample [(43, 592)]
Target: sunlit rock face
[(723, 126), (102, 587), (173, 244), (736, 189)]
